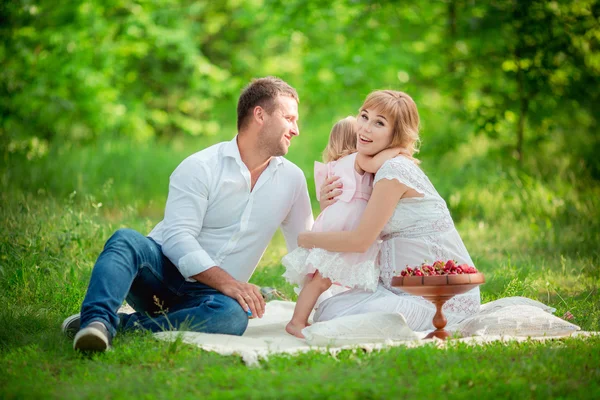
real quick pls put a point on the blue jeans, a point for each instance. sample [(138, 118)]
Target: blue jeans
[(132, 267)]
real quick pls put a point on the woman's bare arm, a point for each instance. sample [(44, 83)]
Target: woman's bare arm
[(373, 163), (383, 201)]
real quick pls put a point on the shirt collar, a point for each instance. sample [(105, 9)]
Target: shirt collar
[(232, 150)]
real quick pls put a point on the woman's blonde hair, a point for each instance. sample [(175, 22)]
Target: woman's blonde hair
[(401, 108), (342, 140)]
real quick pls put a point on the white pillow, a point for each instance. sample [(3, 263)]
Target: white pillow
[(514, 301), (520, 320), (357, 329)]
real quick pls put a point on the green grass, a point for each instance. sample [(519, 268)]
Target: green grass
[(531, 233), (141, 367)]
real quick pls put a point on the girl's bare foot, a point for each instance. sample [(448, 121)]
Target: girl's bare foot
[(295, 329)]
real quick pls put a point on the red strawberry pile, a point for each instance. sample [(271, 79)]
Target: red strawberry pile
[(439, 268)]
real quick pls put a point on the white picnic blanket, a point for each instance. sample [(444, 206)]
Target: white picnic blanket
[(267, 336)]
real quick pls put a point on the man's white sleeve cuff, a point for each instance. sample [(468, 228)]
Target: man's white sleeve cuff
[(194, 263)]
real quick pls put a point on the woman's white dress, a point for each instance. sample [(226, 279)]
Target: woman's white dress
[(420, 230)]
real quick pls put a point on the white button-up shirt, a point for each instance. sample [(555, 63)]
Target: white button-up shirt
[(212, 218)]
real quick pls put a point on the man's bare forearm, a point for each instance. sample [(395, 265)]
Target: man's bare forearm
[(214, 277)]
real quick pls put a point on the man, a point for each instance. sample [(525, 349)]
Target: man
[(224, 205)]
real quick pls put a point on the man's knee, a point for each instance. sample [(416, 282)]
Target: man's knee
[(126, 238), (125, 234), (236, 320), (129, 246)]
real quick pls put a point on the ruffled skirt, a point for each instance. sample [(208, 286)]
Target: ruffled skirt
[(351, 270)]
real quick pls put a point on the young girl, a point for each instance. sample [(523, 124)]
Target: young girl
[(316, 269)]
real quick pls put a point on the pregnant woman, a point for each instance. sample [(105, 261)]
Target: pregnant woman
[(405, 210)]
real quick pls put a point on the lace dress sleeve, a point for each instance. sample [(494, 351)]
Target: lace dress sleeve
[(406, 172)]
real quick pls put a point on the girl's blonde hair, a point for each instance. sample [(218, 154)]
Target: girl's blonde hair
[(401, 108), (342, 140)]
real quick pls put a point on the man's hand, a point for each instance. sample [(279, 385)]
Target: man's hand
[(248, 295), (331, 189)]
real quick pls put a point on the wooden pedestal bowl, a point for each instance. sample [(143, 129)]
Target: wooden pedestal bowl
[(438, 289)]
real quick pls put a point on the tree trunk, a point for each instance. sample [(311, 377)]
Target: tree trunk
[(524, 107), (523, 96), (452, 33), (457, 90)]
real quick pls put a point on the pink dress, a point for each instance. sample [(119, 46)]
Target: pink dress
[(352, 270)]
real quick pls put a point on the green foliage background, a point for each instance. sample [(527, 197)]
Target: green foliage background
[(106, 98), (523, 72)]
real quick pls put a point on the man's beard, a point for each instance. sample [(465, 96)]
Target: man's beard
[(279, 151), (271, 147)]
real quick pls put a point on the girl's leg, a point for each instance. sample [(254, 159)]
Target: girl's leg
[(306, 302)]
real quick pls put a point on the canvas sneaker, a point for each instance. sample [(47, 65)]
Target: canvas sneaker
[(92, 338), (70, 325)]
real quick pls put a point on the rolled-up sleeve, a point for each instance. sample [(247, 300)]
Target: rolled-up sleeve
[(300, 217), (184, 216)]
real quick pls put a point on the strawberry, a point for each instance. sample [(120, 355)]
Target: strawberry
[(439, 265)]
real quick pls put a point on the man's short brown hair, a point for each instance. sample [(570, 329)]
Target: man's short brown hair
[(262, 92)]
